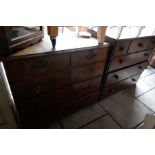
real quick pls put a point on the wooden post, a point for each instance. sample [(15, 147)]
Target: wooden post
[(101, 34)]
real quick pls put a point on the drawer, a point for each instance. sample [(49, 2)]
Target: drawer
[(122, 47), (87, 72), (131, 59), (84, 101), (32, 65), (85, 87), (139, 45), (88, 56), (55, 98), (46, 117), (30, 87), (125, 73), (152, 43), (119, 86)]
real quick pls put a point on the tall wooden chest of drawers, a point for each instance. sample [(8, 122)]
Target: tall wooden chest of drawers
[(50, 85), (128, 60)]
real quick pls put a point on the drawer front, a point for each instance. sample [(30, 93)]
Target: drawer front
[(85, 87), (127, 60), (87, 72), (25, 88), (84, 101), (88, 57), (152, 43), (125, 73), (58, 112), (30, 66), (40, 103), (122, 47), (119, 86), (53, 99), (139, 44)]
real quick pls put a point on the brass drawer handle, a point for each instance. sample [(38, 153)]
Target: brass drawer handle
[(116, 76), (140, 67), (140, 45), (146, 54), (133, 80), (91, 50)]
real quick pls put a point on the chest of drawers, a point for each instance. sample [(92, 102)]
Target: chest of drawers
[(48, 86), (128, 60)]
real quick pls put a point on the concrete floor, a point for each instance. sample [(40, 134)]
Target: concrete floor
[(124, 110)]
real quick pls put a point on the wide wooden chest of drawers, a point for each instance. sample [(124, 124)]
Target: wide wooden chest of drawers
[(48, 86)]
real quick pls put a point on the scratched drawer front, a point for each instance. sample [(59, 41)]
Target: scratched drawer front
[(87, 72), (125, 73), (127, 60), (35, 86), (139, 44), (28, 66), (56, 113), (119, 86), (88, 56), (122, 47), (55, 98)]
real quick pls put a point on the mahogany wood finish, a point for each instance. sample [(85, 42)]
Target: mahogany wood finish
[(50, 85)]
